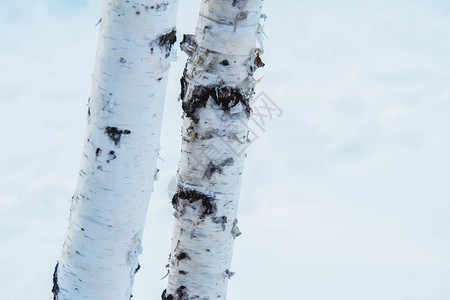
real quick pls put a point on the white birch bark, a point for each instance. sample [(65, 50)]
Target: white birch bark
[(108, 211), (217, 86)]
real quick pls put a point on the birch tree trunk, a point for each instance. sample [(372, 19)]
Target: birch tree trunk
[(217, 86), (108, 211)]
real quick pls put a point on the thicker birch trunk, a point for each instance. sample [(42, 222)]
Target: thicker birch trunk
[(108, 211), (217, 86)]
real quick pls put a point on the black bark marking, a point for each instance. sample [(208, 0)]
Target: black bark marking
[(123, 60), (212, 168), (55, 288), (180, 294), (115, 134), (192, 196), (206, 28), (228, 162), (160, 6), (166, 296), (183, 255), (167, 40), (209, 207), (226, 97), (224, 62), (229, 273), (241, 16), (98, 151), (111, 156), (182, 272), (199, 99)]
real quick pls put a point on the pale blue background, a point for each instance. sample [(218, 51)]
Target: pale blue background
[(344, 197)]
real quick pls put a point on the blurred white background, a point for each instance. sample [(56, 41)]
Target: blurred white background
[(344, 197)]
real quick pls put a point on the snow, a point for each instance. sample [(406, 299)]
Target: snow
[(356, 202)]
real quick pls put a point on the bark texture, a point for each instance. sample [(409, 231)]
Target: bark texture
[(100, 253), (217, 86)]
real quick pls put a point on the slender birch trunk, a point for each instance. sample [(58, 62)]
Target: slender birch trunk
[(108, 211), (217, 86)]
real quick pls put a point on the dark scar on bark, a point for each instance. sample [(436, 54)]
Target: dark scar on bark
[(183, 255), (226, 97), (180, 294), (158, 6), (182, 272), (224, 62), (166, 296), (199, 99), (98, 151), (112, 156), (192, 196), (212, 168), (167, 40), (55, 288), (115, 134)]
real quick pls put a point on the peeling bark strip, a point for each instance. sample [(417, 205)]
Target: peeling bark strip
[(188, 44), (216, 89), (55, 288), (103, 241)]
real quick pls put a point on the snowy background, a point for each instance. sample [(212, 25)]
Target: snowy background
[(346, 196)]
